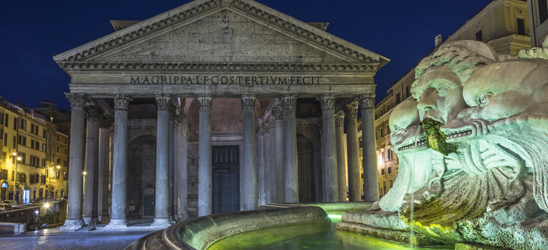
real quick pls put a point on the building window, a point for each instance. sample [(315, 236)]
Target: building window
[(389, 170), (382, 133), (382, 171), (521, 26), (4, 156), (384, 186), (57, 175), (479, 36), (391, 183), (542, 11), (14, 142), (65, 176), (389, 154), (6, 139), (44, 133), (398, 98), (1, 118), (22, 140), (407, 93), (4, 174), (57, 149)]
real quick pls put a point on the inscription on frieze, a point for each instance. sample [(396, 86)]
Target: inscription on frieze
[(225, 80)]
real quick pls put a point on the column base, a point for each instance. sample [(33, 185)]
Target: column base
[(87, 220), (104, 219), (117, 224), (72, 225), (161, 223)]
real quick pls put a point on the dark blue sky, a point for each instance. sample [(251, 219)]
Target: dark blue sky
[(32, 32)]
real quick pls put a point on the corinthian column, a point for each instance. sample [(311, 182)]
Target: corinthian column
[(250, 154), (339, 134), (182, 169), (76, 163), (205, 179), (104, 172), (279, 159), (353, 152), (161, 213), (270, 160), (290, 139), (261, 177), (330, 171), (119, 167), (370, 171), (92, 146)]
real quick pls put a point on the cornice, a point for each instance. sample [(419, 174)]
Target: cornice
[(216, 67), (74, 58)]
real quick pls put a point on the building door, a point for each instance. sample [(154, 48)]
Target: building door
[(148, 202), (226, 179)]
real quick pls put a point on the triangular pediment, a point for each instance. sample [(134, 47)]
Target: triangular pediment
[(218, 32)]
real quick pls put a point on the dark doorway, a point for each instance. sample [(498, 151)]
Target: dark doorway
[(148, 207), (307, 172), (226, 179)]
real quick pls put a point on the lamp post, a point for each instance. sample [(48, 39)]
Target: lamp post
[(17, 159)]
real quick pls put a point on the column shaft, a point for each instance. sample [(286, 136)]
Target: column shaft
[(330, 170), (182, 171), (119, 166), (261, 181), (161, 211), (341, 159), (92, 146), (353, 152), (205, 189), (278, 161), (103, 180), (370, 171), (290, 139), (249, 165), (76, 163)]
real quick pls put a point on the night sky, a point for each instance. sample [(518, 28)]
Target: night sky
[(32, 32)]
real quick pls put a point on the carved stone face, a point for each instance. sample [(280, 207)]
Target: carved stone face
[(404, 122), (439, 95)]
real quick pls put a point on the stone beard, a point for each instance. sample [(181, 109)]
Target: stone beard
[(229, 80)]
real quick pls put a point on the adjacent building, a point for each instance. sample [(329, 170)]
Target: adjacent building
[(31, 168)]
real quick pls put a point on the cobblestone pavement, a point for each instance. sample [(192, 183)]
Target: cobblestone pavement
[(49, 239)]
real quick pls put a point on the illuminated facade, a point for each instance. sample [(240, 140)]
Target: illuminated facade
[(27, 142)]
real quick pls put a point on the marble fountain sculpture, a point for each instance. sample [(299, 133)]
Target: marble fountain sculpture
[(473, 152)]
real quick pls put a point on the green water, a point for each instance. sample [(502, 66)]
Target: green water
[(304, 237)]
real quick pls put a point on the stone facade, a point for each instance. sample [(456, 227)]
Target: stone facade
[(214, 93)]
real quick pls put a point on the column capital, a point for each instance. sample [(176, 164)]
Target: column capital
[(163, 102), (339, 119), (352, 109), (205, 102), (174, 113), (289, 102), (121, 102), (248, 101), (94, 111), (327, 102), (277, 112), (271, 121), (260, 130), (77, 100), (367, 100)]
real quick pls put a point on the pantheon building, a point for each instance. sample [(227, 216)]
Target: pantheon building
[(216, 106)]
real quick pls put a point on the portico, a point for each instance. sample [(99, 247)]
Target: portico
[(224, 67)]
